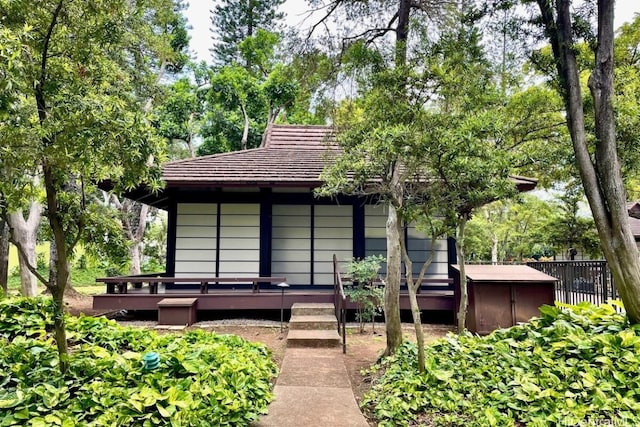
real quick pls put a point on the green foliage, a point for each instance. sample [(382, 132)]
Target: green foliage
[(203, 379), (367, 294), (235, 20), (365, 270), (574, 364)]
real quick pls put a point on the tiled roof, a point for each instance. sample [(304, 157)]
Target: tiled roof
[(293, 155), (505, 273)]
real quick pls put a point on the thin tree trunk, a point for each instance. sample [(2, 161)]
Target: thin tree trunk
[(464, 295), (25, 233), (4, 257), (393, 326), (413, 287), (134, 222), (245, 129), (494, 249), (135, 253), (57, 287)]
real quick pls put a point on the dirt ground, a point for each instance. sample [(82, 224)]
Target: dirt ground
[(362, 349)]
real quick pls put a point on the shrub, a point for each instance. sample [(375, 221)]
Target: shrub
[(574, 364), (203, 378), (363, 290)]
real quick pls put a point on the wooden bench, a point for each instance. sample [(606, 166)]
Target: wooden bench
[(120, 284)]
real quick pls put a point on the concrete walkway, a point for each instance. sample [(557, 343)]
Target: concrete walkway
[(313, 389)]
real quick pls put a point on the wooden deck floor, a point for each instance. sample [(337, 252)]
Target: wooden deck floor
[(244, 299)]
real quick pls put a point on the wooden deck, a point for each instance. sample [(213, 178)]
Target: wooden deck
[(246, 299)]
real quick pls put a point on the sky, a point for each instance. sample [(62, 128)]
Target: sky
[(199, 18)]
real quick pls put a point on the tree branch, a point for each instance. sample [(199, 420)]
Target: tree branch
[(332, 8)]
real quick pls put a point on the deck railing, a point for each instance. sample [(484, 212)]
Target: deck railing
[(340, 303), (580, 281)]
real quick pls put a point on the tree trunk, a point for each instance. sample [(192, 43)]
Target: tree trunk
[(494, 249), (413, 302), (464, 295), (25, 232), (69, 291), (602, 181), (245, 129), (393, 326), (61, 275), (135, 253), (134, 222), (4, 257)]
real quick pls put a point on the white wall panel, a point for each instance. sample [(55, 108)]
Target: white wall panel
[(291, 243), (196, 255), (239, 239), (196, 240), (419, 248), (333, 234)]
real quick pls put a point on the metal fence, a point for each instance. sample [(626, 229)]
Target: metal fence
[(580, 280)]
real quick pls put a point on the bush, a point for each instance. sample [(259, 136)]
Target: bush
[(363, 290), (203, 378), (575, 364)]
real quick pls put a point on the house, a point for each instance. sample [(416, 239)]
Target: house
[(253, 213), (634, 220)]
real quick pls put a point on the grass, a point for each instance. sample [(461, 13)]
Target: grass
[(83, 280)]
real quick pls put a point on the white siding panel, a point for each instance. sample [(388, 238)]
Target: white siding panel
[(287, 233), (240, 243), (195, 243), (239, 269), (323, 279), (334, 244), (203, 232), (333, 211), (196, 255), (239, 239), (192, 267), (290, 256), (290, 221), (239, 255), (333, 235), (335, 222), (291, 243), (208, 220), (196, 239), (197, 208), (240, 209), (239, 220)]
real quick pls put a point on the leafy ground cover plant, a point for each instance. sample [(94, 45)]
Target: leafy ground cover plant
[(203, 379), (573, 365)]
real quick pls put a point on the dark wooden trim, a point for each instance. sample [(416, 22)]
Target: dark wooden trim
[(312, 225), (218, 196), (218, 228), (246, 300), (172, 227), (266, 235), (358, 229)]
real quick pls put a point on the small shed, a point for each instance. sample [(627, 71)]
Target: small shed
[(500, 296)]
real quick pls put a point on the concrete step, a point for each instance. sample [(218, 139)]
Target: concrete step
[(313, 338), (312, 309), (326, 322)]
